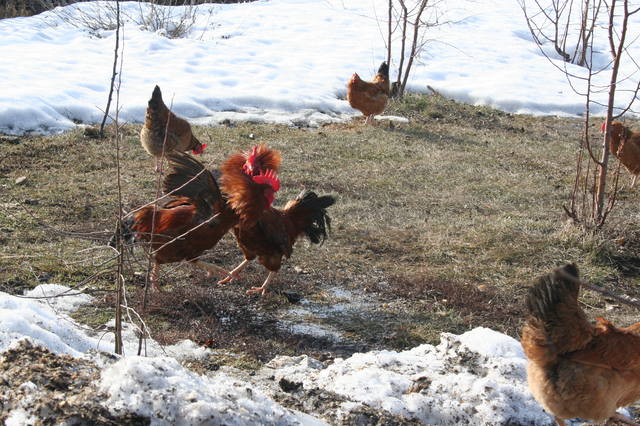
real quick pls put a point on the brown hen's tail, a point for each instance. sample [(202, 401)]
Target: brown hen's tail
[(384, 70), (309, 215), (556, 323), (156, 101)]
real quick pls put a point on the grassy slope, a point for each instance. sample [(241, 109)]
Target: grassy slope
[(440, 225)]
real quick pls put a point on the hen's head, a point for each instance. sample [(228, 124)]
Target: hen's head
[(199, 148), (354, 78), (617, 129)]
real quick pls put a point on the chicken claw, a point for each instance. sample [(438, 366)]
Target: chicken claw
[(235, 273), (263, 288)]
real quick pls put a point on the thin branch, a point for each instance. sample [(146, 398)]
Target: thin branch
[(115, 65), (622, 299)]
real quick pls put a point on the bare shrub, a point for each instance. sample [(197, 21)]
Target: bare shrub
[(158, 16), (556, 22), (567, 26), (408, 22)]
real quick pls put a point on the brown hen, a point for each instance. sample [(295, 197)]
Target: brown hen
[(164, 132), (576, 369), (369, 97), (625, 144)]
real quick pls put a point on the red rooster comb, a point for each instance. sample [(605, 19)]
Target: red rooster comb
[(269, 178), (249, 166), (200, 149)]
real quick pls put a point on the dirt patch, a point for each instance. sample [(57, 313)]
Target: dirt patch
[(54, 389)]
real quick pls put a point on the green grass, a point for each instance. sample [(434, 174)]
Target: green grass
[(440, 224)]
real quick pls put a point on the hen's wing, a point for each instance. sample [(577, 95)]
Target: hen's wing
[(272, 226), (611, 347), (189, 178)]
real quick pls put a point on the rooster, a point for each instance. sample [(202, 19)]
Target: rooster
[(625, 144), (272, 237), (576, 369), (370, 98), (164, 132), (197, 214)]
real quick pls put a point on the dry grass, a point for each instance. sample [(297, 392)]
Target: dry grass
[(441, 224), (14, 8)]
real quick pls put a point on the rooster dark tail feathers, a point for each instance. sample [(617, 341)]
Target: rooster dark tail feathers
[(317, 222)]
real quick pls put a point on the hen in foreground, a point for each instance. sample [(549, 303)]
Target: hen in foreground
[(197, 214), (576, 369), (164, 132), (625, 144), (369, 97), (272, 237)]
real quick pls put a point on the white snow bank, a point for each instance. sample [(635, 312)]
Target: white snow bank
[(478, 378), (163, 390), (42, 317), (59, 297), (283, 61)]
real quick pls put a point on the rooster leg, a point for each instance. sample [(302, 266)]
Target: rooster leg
[(366, 120), (623, 419), (209, 267), (235, 273), (633, 181), (262, 289)]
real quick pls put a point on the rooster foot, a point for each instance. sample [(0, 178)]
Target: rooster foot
[(230, 277), (235, 273), (262, 290)]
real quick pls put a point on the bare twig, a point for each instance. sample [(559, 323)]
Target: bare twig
[(113, 72), (119, 238), (622, 299)]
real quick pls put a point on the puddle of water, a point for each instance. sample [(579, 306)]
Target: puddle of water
[(309, 317)]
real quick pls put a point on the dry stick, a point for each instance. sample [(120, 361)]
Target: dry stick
[(599, 213), (403, 43), (119, 243), (145, 298), (414, 45), (390, 17), (596, 288), (113, 73)]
